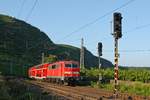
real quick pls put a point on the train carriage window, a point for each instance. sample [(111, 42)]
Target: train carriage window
[(74, 65), (68, 65)]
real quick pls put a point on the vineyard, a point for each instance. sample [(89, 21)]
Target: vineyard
[(131, 80)]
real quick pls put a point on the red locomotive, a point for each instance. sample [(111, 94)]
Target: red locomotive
[(59, 72)]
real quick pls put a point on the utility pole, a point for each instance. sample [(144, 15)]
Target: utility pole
[(82, 54), (99, 58), (117, 33), (42, 57)]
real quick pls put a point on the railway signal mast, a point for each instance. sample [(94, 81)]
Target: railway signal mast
[(99, 58), (117, 33)]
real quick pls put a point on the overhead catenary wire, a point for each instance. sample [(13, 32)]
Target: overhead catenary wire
[(126, 51), (138, 28), (146, 50), (30, 12), (97, 19), (131, 30), (22, 5), (129, 51)]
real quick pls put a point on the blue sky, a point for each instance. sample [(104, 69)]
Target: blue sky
[(59, 19)]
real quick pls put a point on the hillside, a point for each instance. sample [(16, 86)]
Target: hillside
[(70, 52), (21, 46)]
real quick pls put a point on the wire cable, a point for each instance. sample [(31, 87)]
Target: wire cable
[(22, 5), (138, 28), (97, 19), (132, 51), (131, 30), (29, 14)]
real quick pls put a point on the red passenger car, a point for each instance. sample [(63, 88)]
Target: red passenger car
[(62, 71)]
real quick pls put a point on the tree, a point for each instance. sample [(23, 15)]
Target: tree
[(50, 58)]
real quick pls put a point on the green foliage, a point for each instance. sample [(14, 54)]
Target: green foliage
[(66, 52), (50, 58), (82, 72), (21, 45), (93, 72), (135, 88), (135, 75), (6, 19), (139, 76), (94, 84), (108, 73), (4, 95)]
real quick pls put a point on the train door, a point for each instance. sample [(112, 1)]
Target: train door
[(62, 70)]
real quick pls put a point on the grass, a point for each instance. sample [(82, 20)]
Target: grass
[(14, 89), (137, 88)]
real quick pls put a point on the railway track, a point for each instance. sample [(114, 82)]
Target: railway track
[(85, 93), (66, 91), (75, 93)]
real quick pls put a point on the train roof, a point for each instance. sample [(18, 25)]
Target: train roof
[(65, 61), (36, 66)]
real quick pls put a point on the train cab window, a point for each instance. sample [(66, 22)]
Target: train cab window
[(53, 66), (71, 65)]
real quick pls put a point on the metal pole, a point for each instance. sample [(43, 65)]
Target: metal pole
[(82, 55), (100, 76), (116, 68), (99, 62)]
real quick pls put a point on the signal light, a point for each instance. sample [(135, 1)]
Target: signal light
[(100, 48), (117, 25)]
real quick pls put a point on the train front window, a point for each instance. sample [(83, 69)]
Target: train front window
[(71, 65), (74, 65)]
